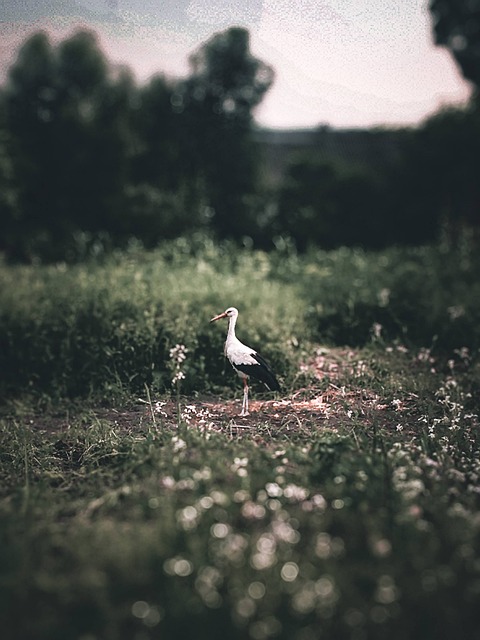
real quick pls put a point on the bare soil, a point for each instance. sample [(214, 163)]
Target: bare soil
[(326, 403)]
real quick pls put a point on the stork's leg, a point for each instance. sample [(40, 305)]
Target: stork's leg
[(245, 398)]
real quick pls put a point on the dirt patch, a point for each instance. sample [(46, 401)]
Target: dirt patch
[(333, 399)]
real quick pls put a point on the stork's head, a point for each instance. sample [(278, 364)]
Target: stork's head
[(228, 313)]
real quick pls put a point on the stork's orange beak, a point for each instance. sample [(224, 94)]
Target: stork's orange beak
[(221, 315)]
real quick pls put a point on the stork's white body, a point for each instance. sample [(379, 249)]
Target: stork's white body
[(245, 360), (236, 351)]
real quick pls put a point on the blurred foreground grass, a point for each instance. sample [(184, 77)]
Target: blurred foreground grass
[(350, 514)]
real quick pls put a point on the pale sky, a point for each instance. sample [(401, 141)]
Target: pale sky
[(345, 63)]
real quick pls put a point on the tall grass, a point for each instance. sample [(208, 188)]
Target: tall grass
[(106, 328), (100, 328), (426, 296)]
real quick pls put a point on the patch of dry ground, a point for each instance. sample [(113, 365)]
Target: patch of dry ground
[(332, 399)]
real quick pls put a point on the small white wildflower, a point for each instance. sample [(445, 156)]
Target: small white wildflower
[(178, 566), (383, 297), (463, 353), (294, 493), (158, 408), (168, 482), (273, 490), (319, 502), (240, 462), (253, 511), (188, 518), (178, 375), (289, 571), (178, 444), (178, 354), (377, 330), (284, 531), (455, 312), (424, 355)]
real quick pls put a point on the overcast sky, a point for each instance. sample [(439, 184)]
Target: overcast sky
[(346, 63)]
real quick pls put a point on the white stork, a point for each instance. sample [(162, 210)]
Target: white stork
[(245, 360)]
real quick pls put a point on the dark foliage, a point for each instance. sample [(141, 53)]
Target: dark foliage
[(457, 26), (319, 204), (99, 157), (90, 160)]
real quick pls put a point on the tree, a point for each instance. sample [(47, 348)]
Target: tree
[(68, 117), (91, 152), (28, 102), (437, 182), (226, 80), (327, 205), (218, 98), (9, 205), (156, 133), (87, 140), (456, 25), (453, 137)]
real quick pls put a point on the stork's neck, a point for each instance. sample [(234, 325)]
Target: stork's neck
[(231, 328)]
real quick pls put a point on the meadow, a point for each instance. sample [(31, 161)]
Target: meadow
[(136, 504)]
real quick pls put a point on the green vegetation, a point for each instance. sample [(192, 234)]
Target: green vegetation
[(344, 507), (102, 328), (96, 328)]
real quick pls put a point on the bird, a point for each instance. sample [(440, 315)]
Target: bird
[(245, 360)]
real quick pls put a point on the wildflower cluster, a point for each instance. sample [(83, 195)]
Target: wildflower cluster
[(178, 355), (159, 408), (452, 415), (199, 417)]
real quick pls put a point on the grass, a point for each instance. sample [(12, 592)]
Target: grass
[(104, 330), (344, 507), (101, 330), (360, 521)]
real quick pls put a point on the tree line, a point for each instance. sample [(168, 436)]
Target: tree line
[(86, 153), (89, 158)]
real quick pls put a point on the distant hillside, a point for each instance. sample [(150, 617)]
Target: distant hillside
[(371, 148)]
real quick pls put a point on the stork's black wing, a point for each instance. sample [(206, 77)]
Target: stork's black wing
[(260, 371)]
